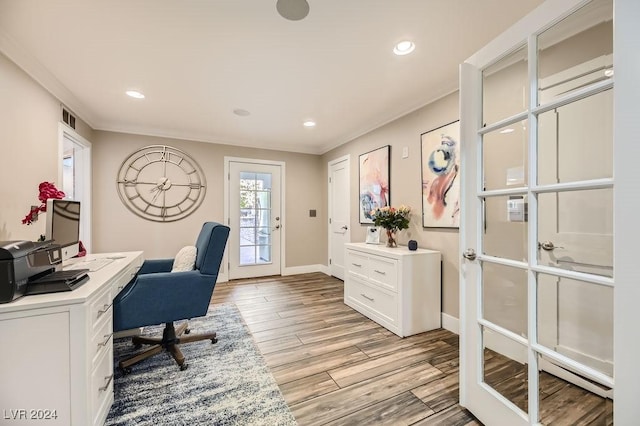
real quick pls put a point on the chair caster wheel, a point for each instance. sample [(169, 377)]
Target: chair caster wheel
[(126, 371), (184, 367), (214, 340), (187, 331)]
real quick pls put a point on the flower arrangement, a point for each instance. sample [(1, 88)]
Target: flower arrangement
[(46, 190), (392, 219)]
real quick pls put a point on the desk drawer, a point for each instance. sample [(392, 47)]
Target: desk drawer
[(378, 302), (383, 272), (357, 264), (101, 385), (102, 338), (100, 307)]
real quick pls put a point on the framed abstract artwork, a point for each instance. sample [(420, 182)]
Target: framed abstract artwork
[(374, 182), (440, 177)]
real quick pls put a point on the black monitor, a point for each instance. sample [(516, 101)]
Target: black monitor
[(63, 225)]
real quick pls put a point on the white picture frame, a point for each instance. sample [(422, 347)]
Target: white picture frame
[(373, 235)]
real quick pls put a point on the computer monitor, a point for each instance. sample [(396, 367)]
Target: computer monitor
[(63, 225)]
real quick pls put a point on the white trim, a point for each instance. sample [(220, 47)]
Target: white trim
[(223, 277), (305, 269), (65, 131), (450, 323), (283, 219), (330, 164)]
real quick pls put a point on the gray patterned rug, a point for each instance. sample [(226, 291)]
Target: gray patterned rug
[(227, 383)]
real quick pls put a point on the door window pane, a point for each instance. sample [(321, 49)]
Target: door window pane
[(575, 319), (505, 227), (505, 87), (504, 157), (504, 367), (577, 51), (504, 297), (575, 141), (255, 218)]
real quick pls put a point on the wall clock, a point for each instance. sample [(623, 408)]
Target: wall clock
[(161, 183)]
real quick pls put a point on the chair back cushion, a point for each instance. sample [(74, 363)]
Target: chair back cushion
[(210, 247), (185, 260)]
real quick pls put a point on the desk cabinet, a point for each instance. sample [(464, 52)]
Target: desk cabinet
[(395, 287), (56, 367)]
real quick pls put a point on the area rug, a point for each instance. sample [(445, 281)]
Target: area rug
[(227, 383)]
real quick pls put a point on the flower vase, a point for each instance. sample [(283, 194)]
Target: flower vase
[(391, 238)]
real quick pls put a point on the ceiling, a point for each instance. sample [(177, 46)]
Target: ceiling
[(198, 61)]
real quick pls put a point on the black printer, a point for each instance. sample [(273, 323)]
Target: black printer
[(22, 262)]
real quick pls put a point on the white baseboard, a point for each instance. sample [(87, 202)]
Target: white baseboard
[(222, 278), (306, 269), (450, 323)]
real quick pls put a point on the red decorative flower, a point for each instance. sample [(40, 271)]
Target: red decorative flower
[(47, 190)]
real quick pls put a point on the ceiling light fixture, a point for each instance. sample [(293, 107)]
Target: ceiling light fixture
[(135, 94), (404, 48), (293, 10), (309, 123)]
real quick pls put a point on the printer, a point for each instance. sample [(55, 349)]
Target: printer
[(23, 261)]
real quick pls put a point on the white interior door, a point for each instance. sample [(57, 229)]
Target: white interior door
[(513, 292), (255, 218), (339, 232)]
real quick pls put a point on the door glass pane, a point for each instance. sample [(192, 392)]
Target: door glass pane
[(504, 368), (504, 157), (575, 141), (505, 87), (255, 218), (504, 297), (577, 51), (562, 402), (505, 227), (576, 230), (575, 319)]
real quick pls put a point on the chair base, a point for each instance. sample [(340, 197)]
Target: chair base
[(171, 338)]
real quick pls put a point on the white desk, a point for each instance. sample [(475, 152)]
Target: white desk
[(56, 361)]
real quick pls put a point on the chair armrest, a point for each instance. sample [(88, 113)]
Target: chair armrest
[(162, 297), (153, 266)]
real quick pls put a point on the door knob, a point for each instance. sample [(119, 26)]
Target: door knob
[(344, 227), (277, 227), (547, 245), (469, 254)]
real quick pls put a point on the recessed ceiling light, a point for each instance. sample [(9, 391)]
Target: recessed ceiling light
[(507, 130), (608, 72), (135, 94), (241, 112), (309, 123), (404, 47)]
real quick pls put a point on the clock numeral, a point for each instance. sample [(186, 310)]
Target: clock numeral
[(163, 211), (133, 197), (195, 185), (179, 161), (129, 183)]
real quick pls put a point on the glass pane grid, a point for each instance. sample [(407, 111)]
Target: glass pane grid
[(255, 218)]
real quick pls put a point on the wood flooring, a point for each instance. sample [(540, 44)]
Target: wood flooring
[(334, 366)]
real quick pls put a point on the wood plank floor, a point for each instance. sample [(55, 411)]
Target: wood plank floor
[(334, 366)]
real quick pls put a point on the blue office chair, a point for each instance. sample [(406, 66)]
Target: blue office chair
[(156, 295)]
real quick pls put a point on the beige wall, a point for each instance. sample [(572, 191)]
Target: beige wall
[(406, 185), (29, 118), (115, 228)]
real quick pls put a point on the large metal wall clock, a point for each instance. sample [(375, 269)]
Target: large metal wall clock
[(161, 183)]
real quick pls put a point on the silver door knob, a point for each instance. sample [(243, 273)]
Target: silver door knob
[(344, 227), (469, 254), (547, 245)]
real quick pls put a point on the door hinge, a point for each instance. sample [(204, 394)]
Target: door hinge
[(229, 176), (329, 180), (329, 261), (329, 221), (229, 221)]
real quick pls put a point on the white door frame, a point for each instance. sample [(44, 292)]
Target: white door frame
[(84, 156), (224, 276), (626, 203), (330, 164)]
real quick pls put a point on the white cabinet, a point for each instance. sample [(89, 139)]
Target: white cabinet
[(395, 287), (57, 366)]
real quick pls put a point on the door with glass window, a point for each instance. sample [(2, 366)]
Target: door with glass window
[(255, 219), (537, 267)]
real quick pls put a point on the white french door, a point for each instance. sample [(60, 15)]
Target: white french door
[(537, 285), (255, 218)]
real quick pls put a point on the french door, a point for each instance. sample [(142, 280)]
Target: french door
[(255, 218), (538, 197)]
